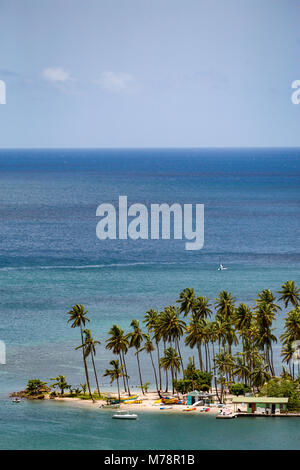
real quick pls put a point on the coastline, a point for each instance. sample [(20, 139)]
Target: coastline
[(147, 405)]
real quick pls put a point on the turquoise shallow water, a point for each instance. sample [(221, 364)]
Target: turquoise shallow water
[(60, 426), (51, 259)]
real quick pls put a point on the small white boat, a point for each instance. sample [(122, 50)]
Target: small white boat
[(124, 415), (16, 400), (221, 267)]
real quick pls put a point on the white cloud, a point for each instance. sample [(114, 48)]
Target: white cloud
[(115, 82), (56, 75)]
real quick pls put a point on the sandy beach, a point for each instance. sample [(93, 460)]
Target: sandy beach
[(148, 405)]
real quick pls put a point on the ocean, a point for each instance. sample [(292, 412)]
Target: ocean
[(50, 259)]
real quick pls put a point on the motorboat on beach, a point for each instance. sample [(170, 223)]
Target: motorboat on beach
[(124, 415)]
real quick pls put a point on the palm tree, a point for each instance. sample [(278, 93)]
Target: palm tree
[(287, 353), (60, 383), (136, 338), (267, 297), (78, 318), (264, 316), (225, 306), (195, 337), (201, 308), (115, 373), (149, 348), (292, 326), (290, 293), (171, 327), (171, 360), (223, 362), (118, 343), (151, 320), (243, 318), (89, 345), (186, 300), (260, 375)]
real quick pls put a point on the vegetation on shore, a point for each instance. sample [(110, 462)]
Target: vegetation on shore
[(233, 344)]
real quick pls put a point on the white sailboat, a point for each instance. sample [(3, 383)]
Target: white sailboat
[(221, 266)]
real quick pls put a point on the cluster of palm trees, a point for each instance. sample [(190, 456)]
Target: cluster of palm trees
[(234, 343)]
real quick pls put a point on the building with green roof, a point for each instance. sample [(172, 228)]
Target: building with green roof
[(261, 405)]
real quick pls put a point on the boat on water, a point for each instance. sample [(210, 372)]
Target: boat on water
[(16, 400), (124, 415), (226, 414), (166, 407), (221, 267)]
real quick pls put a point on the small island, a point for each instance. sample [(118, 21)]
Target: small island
[(234, 345)]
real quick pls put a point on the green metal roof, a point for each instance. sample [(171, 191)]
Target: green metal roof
[(242, 399)]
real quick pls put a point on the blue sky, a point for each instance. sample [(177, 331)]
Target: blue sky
[(149, 73)]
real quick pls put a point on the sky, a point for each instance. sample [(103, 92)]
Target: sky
[(149, 73)]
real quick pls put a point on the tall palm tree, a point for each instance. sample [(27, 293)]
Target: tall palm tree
[(240, 369), (225, 306), (149, 348), (151, 320), (264, 317), (136, 338), (171, 361), (223, 363), (287, 353), (267, 297), (118, 343), (78, 318), (292, 326), (195, 337), (243, 317), (259, 376), (290, 293), (201, 308), (115, 373), (171, 327), (89, 346), (186, 300)]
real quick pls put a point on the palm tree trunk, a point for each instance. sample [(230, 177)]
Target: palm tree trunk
[(200, 356), (177, 341), (119, 389), (127, 377), (154, 372), (159, 366), (96, 377), (141, 382), (121, 362), (85, 366), (172, 375)]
